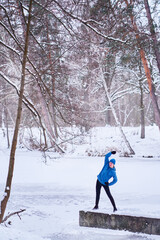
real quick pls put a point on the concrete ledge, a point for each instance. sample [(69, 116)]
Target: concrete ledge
[(120, 222)]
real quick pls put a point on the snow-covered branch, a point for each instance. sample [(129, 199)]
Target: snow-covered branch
[(9, 47), (86, 23)]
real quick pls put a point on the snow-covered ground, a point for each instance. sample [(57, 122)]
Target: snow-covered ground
[(53, 193)]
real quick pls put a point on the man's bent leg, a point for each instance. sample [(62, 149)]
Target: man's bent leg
[(107, 190)]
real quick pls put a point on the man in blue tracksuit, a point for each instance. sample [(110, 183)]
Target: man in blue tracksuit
[(108, 171)]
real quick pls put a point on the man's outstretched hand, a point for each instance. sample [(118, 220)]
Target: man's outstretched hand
[(113, 152)]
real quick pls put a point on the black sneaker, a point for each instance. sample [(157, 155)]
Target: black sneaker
[(95, 207), (115, 209)]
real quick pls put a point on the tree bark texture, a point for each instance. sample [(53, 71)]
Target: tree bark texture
[(17, 124)]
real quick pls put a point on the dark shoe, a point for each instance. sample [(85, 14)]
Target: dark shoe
[(115, 209), (95, 207)]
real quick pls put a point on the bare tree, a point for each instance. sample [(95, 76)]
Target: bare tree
[(131, 151), (18, 119), (129, 5)]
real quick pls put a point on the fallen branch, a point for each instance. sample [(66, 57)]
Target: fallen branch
[(11, 214)]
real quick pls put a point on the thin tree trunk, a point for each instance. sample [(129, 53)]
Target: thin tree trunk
[(18, 119), (142, 112), (146, 68), (21, 15), (142, 107), (131, 151), (5, 113), (6, 122), (53, 83), (47, 119), (153, 33)]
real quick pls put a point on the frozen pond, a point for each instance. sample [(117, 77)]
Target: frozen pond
[(53, 194)]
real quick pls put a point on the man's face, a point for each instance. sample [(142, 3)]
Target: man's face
[(111, 165)]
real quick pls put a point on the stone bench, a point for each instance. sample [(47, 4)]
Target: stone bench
[(120, 222)]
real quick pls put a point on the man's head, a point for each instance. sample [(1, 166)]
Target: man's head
[(112, 162)]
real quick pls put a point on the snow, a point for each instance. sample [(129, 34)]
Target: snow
[(54, 192)]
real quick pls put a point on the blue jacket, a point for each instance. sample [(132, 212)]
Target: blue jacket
[(107, 172)]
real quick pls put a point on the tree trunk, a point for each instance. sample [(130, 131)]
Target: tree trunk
[(153, 33), (142, 112), (6, 122), (18, 119), (21, 15), (146, 69), (5, 113), (108, 79), (53, 83), (131, 151), (46, 116)]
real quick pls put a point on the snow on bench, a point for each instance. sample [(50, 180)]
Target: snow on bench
[(120, 222)]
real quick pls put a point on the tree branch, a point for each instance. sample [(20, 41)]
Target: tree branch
[(11, 214), (86, 23)]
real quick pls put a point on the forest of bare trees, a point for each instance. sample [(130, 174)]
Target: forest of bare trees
[(88, 63)]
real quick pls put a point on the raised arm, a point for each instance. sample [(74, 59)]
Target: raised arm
[(107, 156)]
